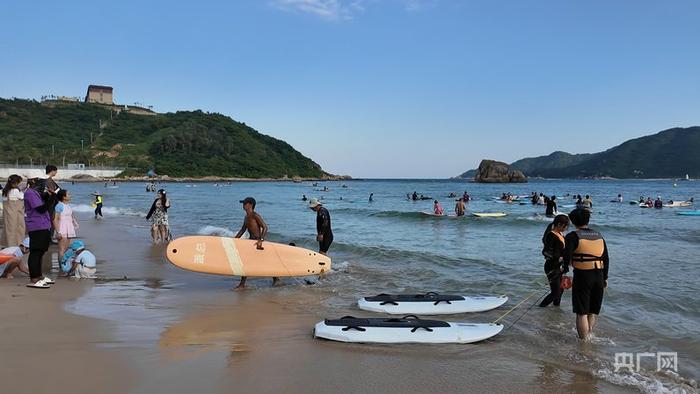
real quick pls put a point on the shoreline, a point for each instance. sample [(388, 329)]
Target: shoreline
[(204, 179), (189, 332)]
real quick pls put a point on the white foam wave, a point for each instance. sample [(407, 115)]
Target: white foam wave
[(108, 211), (217, 231), (647, 384), (341, 266)]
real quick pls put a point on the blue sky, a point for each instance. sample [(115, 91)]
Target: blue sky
[(378, 88)]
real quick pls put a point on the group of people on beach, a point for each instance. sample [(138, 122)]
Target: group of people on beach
[(36, 213)]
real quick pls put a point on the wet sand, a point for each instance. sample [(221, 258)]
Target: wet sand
[(45, 349), (162, 329)]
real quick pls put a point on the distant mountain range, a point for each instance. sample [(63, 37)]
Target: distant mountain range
[(671, 153)]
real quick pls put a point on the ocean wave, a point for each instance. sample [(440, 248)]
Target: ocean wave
[(398, 214), (661, 383), (216, 231), (108, 211)]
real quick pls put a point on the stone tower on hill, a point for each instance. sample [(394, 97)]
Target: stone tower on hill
[(99, 94)]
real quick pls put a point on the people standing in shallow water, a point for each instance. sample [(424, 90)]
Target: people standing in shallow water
[(553, 252), (98, 204), (371, 197), (551, 209), (303, 197), (587, 203), (160, 229), (459, 207), (324, 232), (257, 229), (658, 203), (587, 252)]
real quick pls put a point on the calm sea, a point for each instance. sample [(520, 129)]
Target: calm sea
[(387, 245)]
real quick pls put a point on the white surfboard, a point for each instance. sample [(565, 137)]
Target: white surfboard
[(429, 304), (403, 330), (435, 215), (489, 214)]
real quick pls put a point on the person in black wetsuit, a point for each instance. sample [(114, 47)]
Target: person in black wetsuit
[(553, 253), (551, 209), (587, 252), (324, 233), (414, 197)]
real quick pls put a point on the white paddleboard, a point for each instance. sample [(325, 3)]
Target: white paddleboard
[(403, 330), (489, 214), (676, 204), (435, 215), (429, 304)]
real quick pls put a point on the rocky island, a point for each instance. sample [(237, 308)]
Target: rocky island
[(492, 171)]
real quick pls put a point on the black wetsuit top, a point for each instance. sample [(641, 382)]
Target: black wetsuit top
[(551, 207), (553, 250), (323, 222)]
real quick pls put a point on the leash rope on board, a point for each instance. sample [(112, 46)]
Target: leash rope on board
[(517, 305), (528, 310)]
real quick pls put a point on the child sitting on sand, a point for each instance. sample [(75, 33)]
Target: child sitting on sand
[(79, 262), (16, 261)]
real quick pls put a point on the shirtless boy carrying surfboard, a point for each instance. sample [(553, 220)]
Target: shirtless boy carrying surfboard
[(257, 230)]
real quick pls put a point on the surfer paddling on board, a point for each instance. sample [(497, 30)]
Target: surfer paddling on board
[(324, 233), (257, 230)]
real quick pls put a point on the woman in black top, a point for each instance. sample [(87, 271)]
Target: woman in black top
[(553, 252)]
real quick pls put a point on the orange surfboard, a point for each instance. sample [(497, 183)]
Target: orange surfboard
[(240, 257)]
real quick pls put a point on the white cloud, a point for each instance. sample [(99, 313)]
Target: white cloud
[(416, 5), (343, 9), (325, 9)]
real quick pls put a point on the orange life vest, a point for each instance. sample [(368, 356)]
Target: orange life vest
[(589, 253)]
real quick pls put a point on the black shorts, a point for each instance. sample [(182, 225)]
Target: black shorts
[(324, 245), (587, 291), (39, 240)]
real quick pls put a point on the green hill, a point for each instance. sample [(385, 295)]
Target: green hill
[(181, 144), (554, 160), (671, 153)]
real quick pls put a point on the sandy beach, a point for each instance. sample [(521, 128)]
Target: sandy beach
[(161, 329), (45, 349)]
